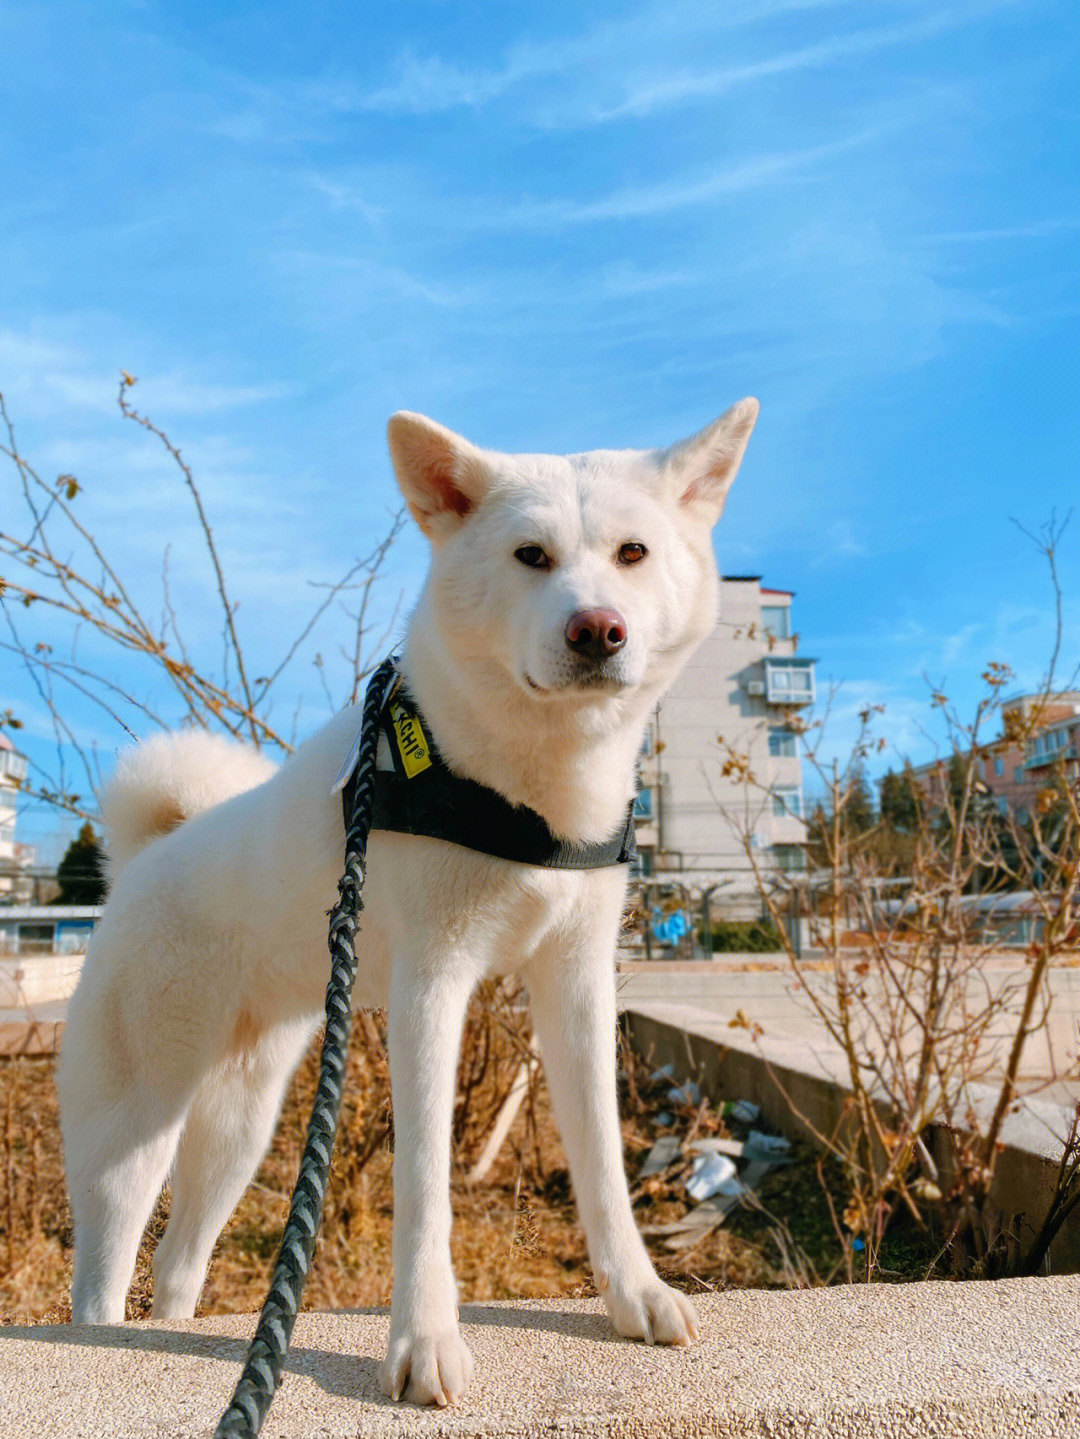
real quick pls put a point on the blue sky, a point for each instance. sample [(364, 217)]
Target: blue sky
[(561, 227)]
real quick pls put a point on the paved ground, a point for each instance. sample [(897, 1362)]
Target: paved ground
[(920, 1361), (762, 988), (770, 997)]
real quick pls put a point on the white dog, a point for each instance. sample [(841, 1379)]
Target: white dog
[(565, 594)]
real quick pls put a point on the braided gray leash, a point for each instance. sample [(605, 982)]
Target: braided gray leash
[(266, 1355)]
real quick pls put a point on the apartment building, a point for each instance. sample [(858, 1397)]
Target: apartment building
[(15, 858), (733, 712), (1037, 732), (1053, 750)]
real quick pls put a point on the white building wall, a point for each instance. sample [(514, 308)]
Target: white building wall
[(718, 717), (12, 772)]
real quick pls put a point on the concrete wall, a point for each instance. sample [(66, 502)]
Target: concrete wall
[(801, 1101), (26, 980)]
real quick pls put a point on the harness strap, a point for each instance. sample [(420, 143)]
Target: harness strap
[(423, 796), (443, 805)]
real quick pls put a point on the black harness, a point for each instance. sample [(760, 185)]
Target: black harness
[(422, 795)]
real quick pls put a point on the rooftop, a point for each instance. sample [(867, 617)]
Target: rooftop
[(38, 913)]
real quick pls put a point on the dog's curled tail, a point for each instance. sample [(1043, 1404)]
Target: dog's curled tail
[(168, 779)]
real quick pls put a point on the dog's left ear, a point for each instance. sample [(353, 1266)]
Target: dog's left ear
[(442, 476), (700, 470)]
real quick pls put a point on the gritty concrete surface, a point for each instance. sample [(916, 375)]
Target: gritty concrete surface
[(979, 1360)]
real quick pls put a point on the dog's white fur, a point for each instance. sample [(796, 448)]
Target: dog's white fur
[(206, 973)]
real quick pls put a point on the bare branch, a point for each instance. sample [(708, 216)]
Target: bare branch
[(130, 413)]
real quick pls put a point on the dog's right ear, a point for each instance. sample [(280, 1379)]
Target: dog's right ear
[(442, 476), (701, 469)]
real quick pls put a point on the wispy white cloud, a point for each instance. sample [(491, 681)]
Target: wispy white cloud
[(1030, 230), (901, 725), (629, 279), (425, 85), (643, 201), (844, 540), (659, 93), (180, 394), (379, 282), (430, 83), (345, 194), (641, 56), (957, 645), (46, 373)]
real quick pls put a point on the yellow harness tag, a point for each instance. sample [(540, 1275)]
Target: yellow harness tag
[(413, 746)]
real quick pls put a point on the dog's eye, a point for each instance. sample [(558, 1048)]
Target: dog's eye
[(533, 556), (632, 552)]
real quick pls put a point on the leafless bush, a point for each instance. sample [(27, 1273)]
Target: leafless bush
[(927, 1002), (114, 655)]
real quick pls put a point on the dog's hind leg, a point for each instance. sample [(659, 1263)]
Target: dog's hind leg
[(227, 1131), (117, 1153)]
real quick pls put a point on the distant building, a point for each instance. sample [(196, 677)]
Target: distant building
[(1054, 749), (15, 859), (740, 695), (1038, 732)]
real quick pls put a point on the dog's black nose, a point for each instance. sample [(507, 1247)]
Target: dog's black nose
[(595, 634)]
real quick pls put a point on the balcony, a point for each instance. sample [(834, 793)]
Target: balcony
[(12, 766), (788, 681), (1050, 747)]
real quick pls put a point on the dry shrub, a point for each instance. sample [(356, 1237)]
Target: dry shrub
[(515, 1234)]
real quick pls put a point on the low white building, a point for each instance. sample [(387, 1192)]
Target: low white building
[(34, 929), (722, 767)]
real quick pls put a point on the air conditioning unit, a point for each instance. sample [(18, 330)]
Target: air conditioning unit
[(755, 687)]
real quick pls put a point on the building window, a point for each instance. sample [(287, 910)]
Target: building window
[(787, 802), (999, 766), (789, 682), (782, 743), (789, 857), (776, 621), (36, 938), (643, 804), (1018, 774)]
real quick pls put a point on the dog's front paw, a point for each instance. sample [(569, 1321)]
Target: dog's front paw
[(427, 1367), (652, 1311)]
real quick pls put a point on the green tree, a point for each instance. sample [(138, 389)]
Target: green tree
[(899, 802), (858, 812), (81, 872), (958, 779)]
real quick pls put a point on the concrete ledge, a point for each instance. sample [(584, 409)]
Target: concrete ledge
[(727, 1063), (988, 1360)]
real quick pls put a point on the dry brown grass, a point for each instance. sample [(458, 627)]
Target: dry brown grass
[(515, 1235)]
